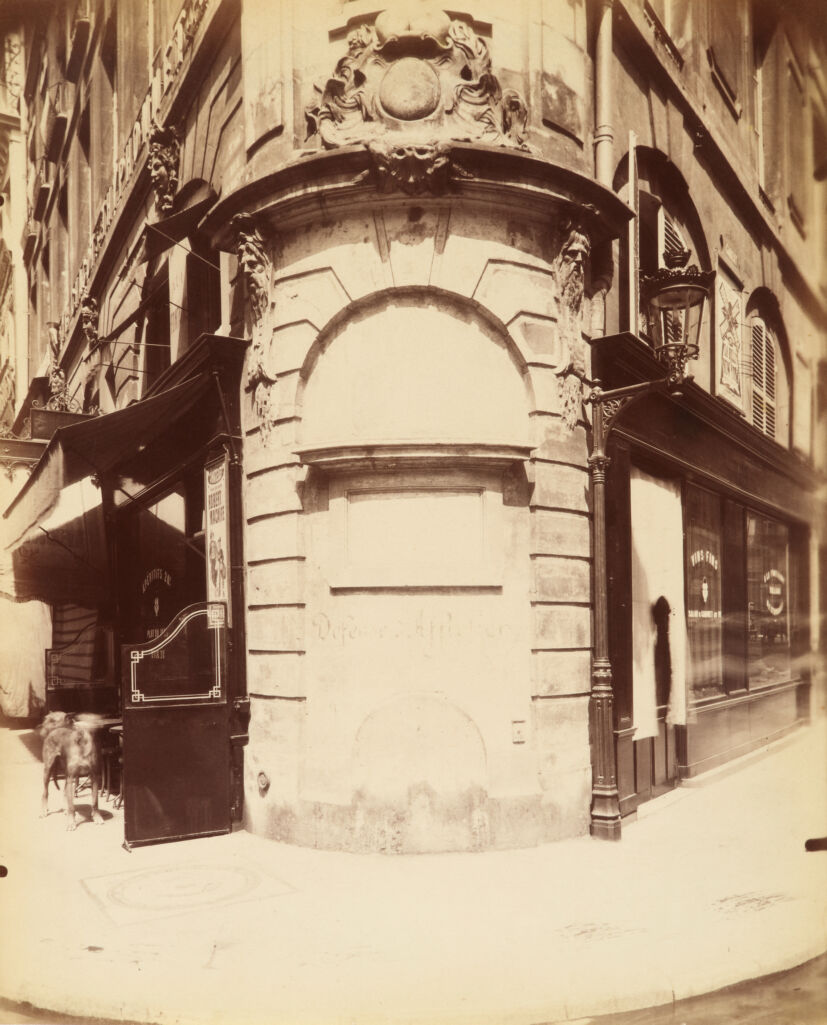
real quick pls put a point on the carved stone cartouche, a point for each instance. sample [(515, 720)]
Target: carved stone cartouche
[(420, 78)]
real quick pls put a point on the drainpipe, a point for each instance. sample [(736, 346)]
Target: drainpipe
[(603, 134)]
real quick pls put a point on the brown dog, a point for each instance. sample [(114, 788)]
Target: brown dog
[(76, 748)]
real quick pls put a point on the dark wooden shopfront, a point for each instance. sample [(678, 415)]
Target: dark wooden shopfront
[(739, 488), (183, 694)]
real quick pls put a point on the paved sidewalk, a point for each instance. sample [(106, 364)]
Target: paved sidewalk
[(710, 886)]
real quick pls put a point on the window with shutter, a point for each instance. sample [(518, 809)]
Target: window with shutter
[(763, 378)]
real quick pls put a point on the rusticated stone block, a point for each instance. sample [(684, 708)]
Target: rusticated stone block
[(273, 491), (545, 383), (555, 673), (560, 533), (290, 345), (280, 629), (553, 440), (274, 537), (264, 451), (560, 487), (314, 295), (561, 626), (508, 288), (566, 804), (276, 583), (562, 736), (276, 675), (558, 579), (272, 761)]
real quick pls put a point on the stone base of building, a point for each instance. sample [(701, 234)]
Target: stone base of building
[(426, 822)]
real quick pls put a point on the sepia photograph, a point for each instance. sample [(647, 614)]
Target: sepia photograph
[(413, 512)]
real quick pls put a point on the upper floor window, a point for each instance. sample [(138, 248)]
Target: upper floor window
[(672, 23), (727, 51)]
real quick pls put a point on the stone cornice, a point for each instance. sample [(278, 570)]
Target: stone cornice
[(334, 181)]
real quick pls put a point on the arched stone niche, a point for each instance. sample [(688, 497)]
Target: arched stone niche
[(414, 369), (414, 425)]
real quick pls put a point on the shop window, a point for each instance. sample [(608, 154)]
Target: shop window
[(768, 573), (703, 593)]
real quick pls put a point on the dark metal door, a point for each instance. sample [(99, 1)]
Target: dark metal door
[(176, 730)]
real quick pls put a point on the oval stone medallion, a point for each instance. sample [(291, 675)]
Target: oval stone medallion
[(410, 89)]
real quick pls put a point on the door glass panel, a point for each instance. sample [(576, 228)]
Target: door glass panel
[(186, 662)]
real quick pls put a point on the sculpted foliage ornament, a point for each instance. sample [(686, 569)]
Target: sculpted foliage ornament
[(418, 76), (164, 152), (255, 267), (414, 169)]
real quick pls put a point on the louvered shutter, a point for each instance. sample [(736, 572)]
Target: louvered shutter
[(758, 374), (673, 243), (672, 238), (769, 384), (763, 378)]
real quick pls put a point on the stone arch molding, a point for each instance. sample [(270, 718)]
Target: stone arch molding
[(413, 367), (535, 309)]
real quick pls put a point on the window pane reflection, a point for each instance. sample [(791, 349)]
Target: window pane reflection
[(768, 658), (703, 593)]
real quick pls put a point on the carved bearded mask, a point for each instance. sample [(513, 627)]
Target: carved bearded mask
[(572, 269)]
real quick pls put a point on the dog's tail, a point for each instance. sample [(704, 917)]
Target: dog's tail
[(54, 780)]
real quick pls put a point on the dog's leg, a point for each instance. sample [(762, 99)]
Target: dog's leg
[(69, 789), (96, 815), (44, 804)]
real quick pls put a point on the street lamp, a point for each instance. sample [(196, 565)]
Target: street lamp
[(674, 297)]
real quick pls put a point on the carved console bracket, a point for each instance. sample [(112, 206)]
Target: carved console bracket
[(570, 269), (412, 169), (255, 267), (420, 77)]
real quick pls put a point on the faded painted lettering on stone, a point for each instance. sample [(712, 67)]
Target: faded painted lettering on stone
[(433, 631)]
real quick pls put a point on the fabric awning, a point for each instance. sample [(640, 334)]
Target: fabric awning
[(191, 203), (53, 543)]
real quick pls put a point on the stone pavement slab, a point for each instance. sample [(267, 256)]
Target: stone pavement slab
[(710, 887)]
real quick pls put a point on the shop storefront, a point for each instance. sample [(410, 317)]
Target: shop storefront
[(152, 637), (709, 589)]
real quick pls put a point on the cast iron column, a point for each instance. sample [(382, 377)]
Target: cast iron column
[(605, 809)]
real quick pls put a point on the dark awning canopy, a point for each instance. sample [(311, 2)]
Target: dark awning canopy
[(191, 203), (53, 538)]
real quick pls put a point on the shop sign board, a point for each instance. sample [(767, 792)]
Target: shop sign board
[(217, 532)]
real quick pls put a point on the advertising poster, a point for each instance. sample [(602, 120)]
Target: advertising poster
[(217, 532)]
